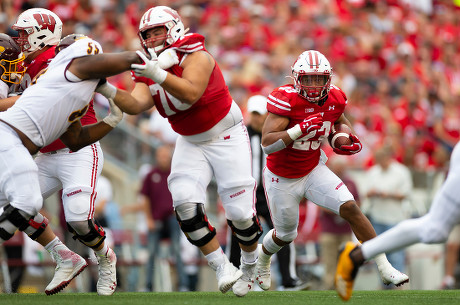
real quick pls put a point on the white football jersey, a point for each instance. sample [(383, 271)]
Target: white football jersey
[(58, 98)]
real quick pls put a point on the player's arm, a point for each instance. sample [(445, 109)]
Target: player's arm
[(78, 136), (188, 88), (138, 101), (343, 120), (103, 65), (8, 102)]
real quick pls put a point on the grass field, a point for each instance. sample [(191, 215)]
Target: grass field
[(381, 297)]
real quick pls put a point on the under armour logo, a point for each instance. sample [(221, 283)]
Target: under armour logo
[(331, 107), (275, 180)]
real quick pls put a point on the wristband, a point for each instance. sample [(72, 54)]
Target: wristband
[(294, 132), (108, 90)]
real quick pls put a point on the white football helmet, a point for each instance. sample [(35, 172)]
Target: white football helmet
[(312, 75), (37, 27), (161, 16)]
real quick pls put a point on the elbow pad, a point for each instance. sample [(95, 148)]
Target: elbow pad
[(277, 146)]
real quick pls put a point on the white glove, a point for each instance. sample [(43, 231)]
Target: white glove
[(168, 58), (150, 68), (115, 115), (106, 89)]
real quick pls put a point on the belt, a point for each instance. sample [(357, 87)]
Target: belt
[(59, 151)]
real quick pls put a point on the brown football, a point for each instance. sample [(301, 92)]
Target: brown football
[(339, 136)]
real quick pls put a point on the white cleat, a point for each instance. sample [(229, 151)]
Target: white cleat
[(227, 275), (262, 273), (245, 283), (68, 265), (107, 282), (391, 275)]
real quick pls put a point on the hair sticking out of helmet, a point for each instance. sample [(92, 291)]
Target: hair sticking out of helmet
[(165, 17), (67, 41), (312, 75), (11, 59), (37, 28)]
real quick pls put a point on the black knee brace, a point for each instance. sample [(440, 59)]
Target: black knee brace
[(94, 238), (242, 235), (195, 223), (32, 228)]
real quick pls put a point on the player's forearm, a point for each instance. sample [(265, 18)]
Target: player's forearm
[(8, 102), (183, 89), (275, 141), (86, 135)]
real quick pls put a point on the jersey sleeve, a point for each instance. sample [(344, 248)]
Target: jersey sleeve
[(279, 102), (340, 98)]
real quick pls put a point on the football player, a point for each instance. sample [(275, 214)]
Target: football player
[(187, 86), (11, 68), (51, 109), (300, 117)]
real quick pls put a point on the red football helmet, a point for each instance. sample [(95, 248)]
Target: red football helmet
[(312, 75), (11, 59)]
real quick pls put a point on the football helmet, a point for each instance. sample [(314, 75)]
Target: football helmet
[(67, 41), (312, 75), (37, 27), (161, 16), (11, 59)]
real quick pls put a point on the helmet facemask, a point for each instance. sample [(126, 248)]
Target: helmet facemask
[(11, 58), (312, 75)]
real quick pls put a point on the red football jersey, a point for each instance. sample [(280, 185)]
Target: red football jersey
[(213, 105), (32, 70), (301, 156)]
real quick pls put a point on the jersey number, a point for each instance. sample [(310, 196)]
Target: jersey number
[(304, 143), (92, 49), (157, 91), (77, 114)]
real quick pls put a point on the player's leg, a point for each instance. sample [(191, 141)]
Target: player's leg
[(68, 263), (78, 173), (283, 196), (20, 195), (189, 178), (230, 158), (327, 190)]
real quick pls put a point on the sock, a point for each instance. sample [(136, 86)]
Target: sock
[(103, 250), (216, 258), (250, 257), (269, 244), (50, 246)]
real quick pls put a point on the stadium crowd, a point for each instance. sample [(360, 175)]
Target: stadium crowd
[(398, 61)]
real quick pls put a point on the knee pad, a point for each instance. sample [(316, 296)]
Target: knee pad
[(194, 223), (287, 237), (13, 219), (433, 233), (247, 231), (186, 189), (89, 233)]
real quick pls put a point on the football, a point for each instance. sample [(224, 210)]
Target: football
[(339, 136)]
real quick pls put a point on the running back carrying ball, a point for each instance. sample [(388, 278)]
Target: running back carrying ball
[(339, 136)]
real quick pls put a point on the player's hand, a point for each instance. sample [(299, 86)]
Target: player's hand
[(354, 148), (168, 58), (150, 68), (106, 89), (115, 116), (313, 122)]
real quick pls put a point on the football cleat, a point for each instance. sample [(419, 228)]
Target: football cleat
[(245, 283), (262, 274), (68, 265), (107, 282), (227, 275), (390, 275), (346, 271)]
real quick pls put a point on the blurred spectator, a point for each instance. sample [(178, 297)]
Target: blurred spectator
[(389, 189), (156, 202), (334, 229)]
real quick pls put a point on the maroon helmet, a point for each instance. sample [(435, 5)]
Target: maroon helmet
[(67, 41), (11, 59)]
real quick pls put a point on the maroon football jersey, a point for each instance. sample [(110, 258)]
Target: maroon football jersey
[(302, 155)]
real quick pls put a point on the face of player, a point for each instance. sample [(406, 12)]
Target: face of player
[(313, 80), (155, 36)]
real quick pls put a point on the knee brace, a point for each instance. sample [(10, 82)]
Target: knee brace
[(247, 231), (13, 219), (89, 233), (194, 223)]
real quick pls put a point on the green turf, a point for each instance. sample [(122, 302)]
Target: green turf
[(383, 297)]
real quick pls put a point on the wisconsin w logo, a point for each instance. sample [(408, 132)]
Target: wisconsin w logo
[(45, 22)]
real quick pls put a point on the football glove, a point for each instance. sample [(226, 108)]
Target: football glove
[(354, 148), (313, 122), (150, 68)]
